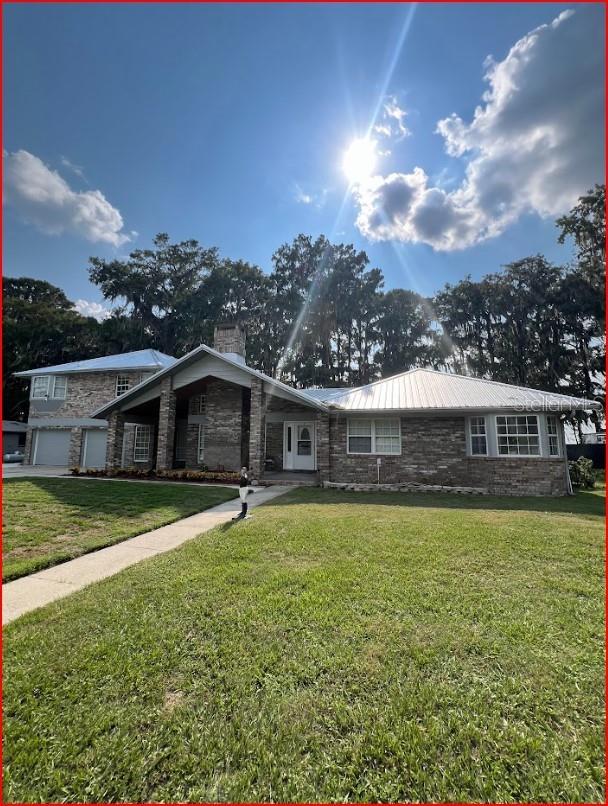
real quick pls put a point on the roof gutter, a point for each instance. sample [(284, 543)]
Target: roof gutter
[(590, 404)]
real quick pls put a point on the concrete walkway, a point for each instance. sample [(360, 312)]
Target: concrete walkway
[(36, 590)]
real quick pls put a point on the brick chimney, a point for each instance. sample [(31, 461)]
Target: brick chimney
[(229, 338)]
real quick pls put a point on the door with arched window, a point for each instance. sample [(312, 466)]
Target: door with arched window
[(299, 446)]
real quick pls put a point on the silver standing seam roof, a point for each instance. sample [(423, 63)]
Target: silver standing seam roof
[(138, 359), (431, 390)]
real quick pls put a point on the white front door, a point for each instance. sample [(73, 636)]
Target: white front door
[(299, 447)]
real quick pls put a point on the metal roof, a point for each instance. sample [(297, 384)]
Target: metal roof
[(430, 390), (326, 394), (139, 359), (193, 355)]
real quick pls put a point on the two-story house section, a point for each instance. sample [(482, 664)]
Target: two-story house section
[(60, 429)]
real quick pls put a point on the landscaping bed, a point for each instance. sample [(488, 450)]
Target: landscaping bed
[(49, 520), (338, 647), (202, 476)]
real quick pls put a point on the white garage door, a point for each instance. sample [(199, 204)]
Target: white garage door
[(94, 448), (51, 447)]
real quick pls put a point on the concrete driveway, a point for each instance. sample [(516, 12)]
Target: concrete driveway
[(15, 470)]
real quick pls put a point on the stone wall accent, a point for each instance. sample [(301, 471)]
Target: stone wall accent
[(86, 392), (27, 451), (257, 429), (75, 453), (404, 488), (114, 445), (433, 452), (166, 425)]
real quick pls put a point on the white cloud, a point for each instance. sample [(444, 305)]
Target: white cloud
[(43, 198), (76, 169), (535, 143), (303, 197), (392, 123), (94, 309)]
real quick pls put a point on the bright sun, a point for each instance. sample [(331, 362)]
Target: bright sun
[(360, 159)]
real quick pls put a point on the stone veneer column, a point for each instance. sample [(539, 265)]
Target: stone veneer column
[(257, 423), (116, 433), (29, 443), (166, 426), (75, 447), (323, 447)]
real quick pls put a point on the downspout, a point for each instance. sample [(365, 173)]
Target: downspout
[(569, 487)]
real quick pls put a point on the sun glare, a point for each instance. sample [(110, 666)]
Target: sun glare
[(360, 160)]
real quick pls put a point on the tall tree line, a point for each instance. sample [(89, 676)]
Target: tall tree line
[(321, 316)]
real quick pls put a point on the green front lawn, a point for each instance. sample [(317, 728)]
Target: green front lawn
[(337, 647), (48, 520)]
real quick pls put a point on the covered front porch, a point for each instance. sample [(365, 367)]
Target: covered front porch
[(219, 424)]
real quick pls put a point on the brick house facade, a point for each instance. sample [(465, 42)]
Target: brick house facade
[(210, 410)]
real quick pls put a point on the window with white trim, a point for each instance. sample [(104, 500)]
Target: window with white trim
[(479, 436), (374, 436), (40, 387), (201, 444), (143, 443), (552, 436), (200, 404), (123, 384), (60, 387), (517, 435), (49, 386)]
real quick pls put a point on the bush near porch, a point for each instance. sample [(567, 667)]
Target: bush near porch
[(337, 647), (49, 520), (151, 474)]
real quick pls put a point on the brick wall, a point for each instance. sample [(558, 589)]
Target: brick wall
[(274, 444), (85, 393), (515, 476), (433, 451), (257, 422), (223, 426)]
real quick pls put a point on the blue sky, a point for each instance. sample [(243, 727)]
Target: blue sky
[(229, 124)]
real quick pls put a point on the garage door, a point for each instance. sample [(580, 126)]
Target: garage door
[(52, 447), (94, 448)]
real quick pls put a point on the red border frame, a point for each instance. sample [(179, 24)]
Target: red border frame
[(317, 2)]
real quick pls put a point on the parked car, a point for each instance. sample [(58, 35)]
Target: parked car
[(15, 456)]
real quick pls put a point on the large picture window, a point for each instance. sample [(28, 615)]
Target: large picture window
[(479, 439), (552, 436), (374, 436), (143, 443), (517, 435)]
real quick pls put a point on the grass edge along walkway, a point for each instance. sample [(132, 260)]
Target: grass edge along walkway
[(43, 587), (53, 520)]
